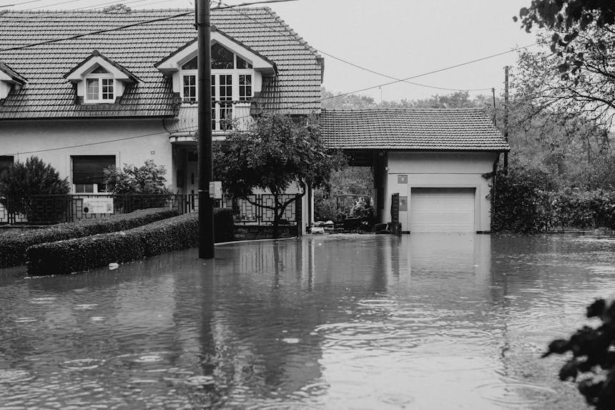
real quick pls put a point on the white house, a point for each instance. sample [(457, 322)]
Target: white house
[(83, 90)]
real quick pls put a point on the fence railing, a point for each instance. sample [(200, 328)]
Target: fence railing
[(51, 209)]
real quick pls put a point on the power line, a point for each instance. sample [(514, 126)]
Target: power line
[(111, 3), (361, 67), (91, 33), (19, 4), (188, 129)]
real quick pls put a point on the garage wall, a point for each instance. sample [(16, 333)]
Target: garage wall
[(407, 170)]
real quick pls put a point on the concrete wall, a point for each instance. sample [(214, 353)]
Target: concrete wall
[(131, 141), (440, 170)]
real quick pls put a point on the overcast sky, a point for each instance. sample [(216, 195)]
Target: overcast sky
[(397, 38)]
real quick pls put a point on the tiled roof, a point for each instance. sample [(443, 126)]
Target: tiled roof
[(411, 129), (95, 54), (295, 90)]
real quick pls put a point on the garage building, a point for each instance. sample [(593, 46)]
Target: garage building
[(440, 161)]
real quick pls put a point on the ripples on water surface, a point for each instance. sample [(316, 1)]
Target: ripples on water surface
[(331, 322)]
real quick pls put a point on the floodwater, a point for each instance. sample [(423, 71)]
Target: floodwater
[(425, 321)]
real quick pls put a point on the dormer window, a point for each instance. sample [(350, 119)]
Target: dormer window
[(231, 78), (237, 75), (9, 80), (100, 86), (100, 80)]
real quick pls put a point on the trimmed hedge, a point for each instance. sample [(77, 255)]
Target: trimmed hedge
[(13, 245), (521, 204), (81, 254)]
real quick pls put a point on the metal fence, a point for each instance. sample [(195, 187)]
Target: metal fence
[(51, 209)]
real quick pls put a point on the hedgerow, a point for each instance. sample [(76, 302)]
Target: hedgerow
[(81, 254), (13, 245), (522, 203)]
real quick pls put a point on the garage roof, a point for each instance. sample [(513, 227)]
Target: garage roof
[(441, 129)]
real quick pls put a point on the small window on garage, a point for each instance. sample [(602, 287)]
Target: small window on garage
[(88, 173), (5, 162)]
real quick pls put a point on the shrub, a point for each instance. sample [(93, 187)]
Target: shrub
[(13, 246), (362, 208), (76, 255), (22, 184), (592, 365), (137, 187), (519, 203)]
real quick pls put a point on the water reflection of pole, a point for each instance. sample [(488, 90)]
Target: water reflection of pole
[(207, 322)]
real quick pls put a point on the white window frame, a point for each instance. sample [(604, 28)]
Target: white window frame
[(99, 77), (216, 101)]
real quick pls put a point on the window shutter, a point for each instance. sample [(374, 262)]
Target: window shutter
[(89, 169)]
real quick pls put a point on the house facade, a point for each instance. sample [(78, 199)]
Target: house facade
[(439, 161), (83, 90)]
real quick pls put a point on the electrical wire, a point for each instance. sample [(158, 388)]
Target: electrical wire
[(91, 33), (19, 4), (358, 66), (279, 109)]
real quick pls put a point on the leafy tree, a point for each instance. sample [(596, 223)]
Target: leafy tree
[(347, 181), (274, 153), (592, 365), (24, 182), (137, 187), (130, 179), (339, 101), (577, 77)]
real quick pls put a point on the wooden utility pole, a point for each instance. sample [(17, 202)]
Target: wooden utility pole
[(495, 119), (506, 116), (206, 169)]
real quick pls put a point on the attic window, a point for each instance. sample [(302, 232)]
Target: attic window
[(221, 58), (192, 64), (100, 70), (100, 80), (243, 64), (100, 89)]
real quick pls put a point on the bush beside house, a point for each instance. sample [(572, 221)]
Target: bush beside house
[(527, 203), (13, 245), (26, 182)]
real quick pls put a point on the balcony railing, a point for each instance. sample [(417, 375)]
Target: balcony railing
[(226, 114)]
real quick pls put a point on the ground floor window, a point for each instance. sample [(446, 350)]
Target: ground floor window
[(5, 162), (88, 173)]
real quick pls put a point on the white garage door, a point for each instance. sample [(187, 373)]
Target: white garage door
[(442, 210)]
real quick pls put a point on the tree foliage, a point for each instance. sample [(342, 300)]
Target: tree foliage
[(130, 179), (137, 187), (592, 361), (577, 75), (22, 182), (273, 154)]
